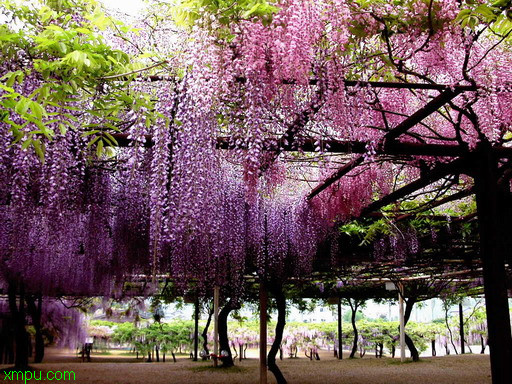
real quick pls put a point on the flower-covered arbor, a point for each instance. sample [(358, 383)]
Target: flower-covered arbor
[(114, 159)]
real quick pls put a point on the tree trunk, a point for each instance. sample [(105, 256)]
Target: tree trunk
[(461, 328), (7, 341), (434, 353), (157, 354), (205, 332), (21, 335), (277, 290), (408, 341), (448, 327), (39, 355), (35, 314), (353, 320), (3, 341), (227, 361), (412, 348)]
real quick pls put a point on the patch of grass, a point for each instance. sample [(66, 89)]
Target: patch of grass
[(101, 353), (407, 361), (209, 368)]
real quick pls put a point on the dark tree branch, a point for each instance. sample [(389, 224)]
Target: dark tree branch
[(277, 290)]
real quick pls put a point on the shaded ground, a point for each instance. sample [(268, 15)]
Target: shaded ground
[(114, 369)]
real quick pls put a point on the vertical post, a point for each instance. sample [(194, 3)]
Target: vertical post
[(461, 328), (493, 225), (196, 327), (216, 293), (340, 349), (263, 333), (402, 322)]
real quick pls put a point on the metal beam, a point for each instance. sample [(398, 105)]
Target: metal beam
[(389, 138), (336, 176), (432, 106), (334, 146), (433, 175)]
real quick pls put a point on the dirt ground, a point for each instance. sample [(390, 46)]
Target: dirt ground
[(118, 369)]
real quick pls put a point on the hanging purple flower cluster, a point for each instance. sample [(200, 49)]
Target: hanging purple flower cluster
[(397, 246)]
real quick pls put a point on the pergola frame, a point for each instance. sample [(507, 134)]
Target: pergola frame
[(481, 163)]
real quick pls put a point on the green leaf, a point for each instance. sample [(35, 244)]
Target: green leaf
[(6, 89), (62, 128), (26, 144), (463, 15), (111, 138), (37, 110), (54, 27), (99, 148), (501, 3), (22, 105), (486, 12), (63, 48), (253, 11), (85, 31), (39, 149), (88, 133), (92, 142), (11, 78)]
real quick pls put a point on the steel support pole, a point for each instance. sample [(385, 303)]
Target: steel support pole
[(263, 333), (402, 322), (196, 328), (461, 328), (216, 294), (340, 349)]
